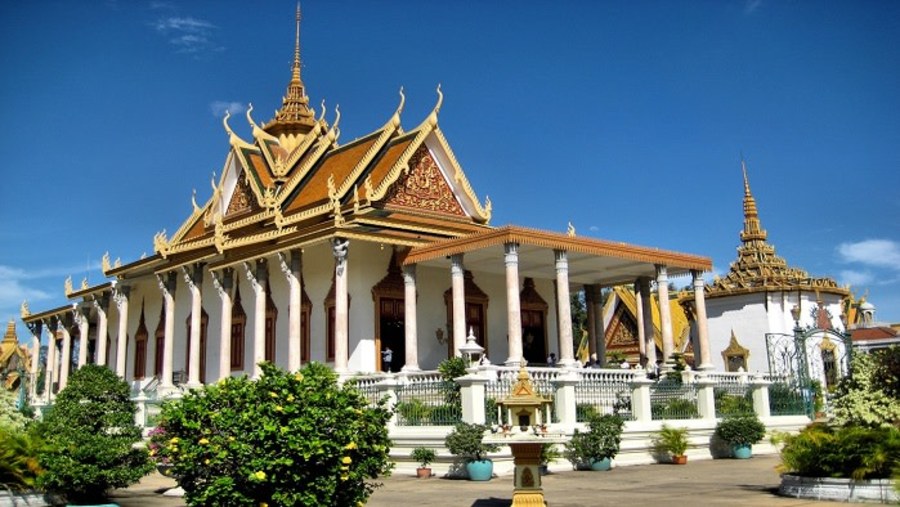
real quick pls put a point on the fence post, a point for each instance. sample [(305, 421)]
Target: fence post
[(388, 387), (565, 399), (640, 397), (760, 387), (706, 397), (472, 395), (140, 415)]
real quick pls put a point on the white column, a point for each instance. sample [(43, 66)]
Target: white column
[(340, 247), (409, 314), (35, 328), (50, 369), (65, 359), (513, 305), (702, 328), (82, 312), (194, 278), (167, 287), (564, 311), (257, 277), (591, 321), (223, 282), (101, 303), (293, 271), (120, 296), (458, 290), (647, 321), (596, 302), (639, 315), (665, 315)]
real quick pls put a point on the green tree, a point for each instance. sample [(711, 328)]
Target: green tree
[(865, 398), (284, 439), (91, 436)]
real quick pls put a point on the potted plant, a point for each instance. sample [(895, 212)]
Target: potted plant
[(741, 432), (595, 448), (549, 453), (466, 441), (672, 442), (425, 456)]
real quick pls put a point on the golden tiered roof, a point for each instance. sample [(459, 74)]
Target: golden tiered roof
[(758, 268), (10, 347)]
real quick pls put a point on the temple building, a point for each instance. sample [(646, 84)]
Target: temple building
[(369, 256), (761, 305), (15, 359)]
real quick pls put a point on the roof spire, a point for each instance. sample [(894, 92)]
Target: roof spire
[(294, 116), (753, 231)]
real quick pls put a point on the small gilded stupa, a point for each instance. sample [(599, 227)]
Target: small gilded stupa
[(14, 358)]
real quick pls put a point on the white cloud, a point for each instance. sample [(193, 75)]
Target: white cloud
[(188, 35), (593, 228), (881, 253), (855, 278), (219, 107)]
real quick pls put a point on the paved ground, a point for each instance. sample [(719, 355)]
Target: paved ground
[(709, 483)]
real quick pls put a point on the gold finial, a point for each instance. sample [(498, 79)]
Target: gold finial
[(219, 235), (84, 283), (68, 285), (23, 310), (322, 113), (104, 262), (402, 101), (571, 230), (370, 190), (161, 244), (355, 198), (194, 200), (437, 107), (296, 69), (294, 116), (118, 262)]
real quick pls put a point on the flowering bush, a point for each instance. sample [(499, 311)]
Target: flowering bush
[(285, 439), (158, 440)]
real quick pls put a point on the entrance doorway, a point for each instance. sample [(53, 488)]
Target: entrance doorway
[(534, 348), (392, 333)]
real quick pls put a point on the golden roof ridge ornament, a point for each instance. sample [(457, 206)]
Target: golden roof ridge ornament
[(67, 285), (24, 311), (295, 115), (233, 138)]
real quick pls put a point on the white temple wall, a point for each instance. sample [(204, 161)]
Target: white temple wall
[(746, 315)]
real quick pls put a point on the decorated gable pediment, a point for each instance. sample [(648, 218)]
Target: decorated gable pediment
[(242, 199), (424, 187)]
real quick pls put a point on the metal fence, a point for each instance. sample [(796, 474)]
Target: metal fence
[(733, 393), (428, 400), (604, 392), (670, 399), (787, 397)]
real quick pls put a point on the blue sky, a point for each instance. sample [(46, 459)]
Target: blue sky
[(626, 118)]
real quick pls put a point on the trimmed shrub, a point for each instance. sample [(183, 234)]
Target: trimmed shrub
[(852, 452), (467, 441), (91, 437), (744, 429), (285, 439)]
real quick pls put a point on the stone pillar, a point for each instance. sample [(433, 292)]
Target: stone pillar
[(665, 315), (640, 397), (82, 314), (257, 276), (411, 336), (513, 305), (51, 368), (597, 315), (702, 328), (564, 312), (65, 359), (293, 271), (223, 282), (120, 296), (457, 284), (472, 395), (639, 315), (101, 304), (706, 399), (340, 248), (565, 400), (167, 284), (760, 389), (193, 277), (35, 328), (388, 388), (647, 321)]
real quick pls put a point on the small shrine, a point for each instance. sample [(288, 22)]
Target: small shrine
[(528, 418)]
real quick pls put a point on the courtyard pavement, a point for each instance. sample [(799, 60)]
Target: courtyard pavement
[(709, 483)]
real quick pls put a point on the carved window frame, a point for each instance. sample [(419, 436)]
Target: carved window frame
[(531, 301), (735, 352), (474, 298), (160, 342), (141, 338), (238, 331), (389, 288)]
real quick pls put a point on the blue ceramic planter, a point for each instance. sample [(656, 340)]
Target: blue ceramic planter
[(480, 470), (601, 465), (742, 451)]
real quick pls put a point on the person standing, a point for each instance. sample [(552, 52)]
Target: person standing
[(387, 356), (551, 359)]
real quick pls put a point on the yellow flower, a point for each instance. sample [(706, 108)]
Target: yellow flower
[(173, 440), (298, 376), (259, 475), (153, 452), (346, 460), (350, 446), (272, 394), (263, 504), (206, 461), (279, 408), (203, 441), (290, 398), (231, 439), (344, 477)]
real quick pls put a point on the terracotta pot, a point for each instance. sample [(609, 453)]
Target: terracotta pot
[(679, 460), (423, 472)]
